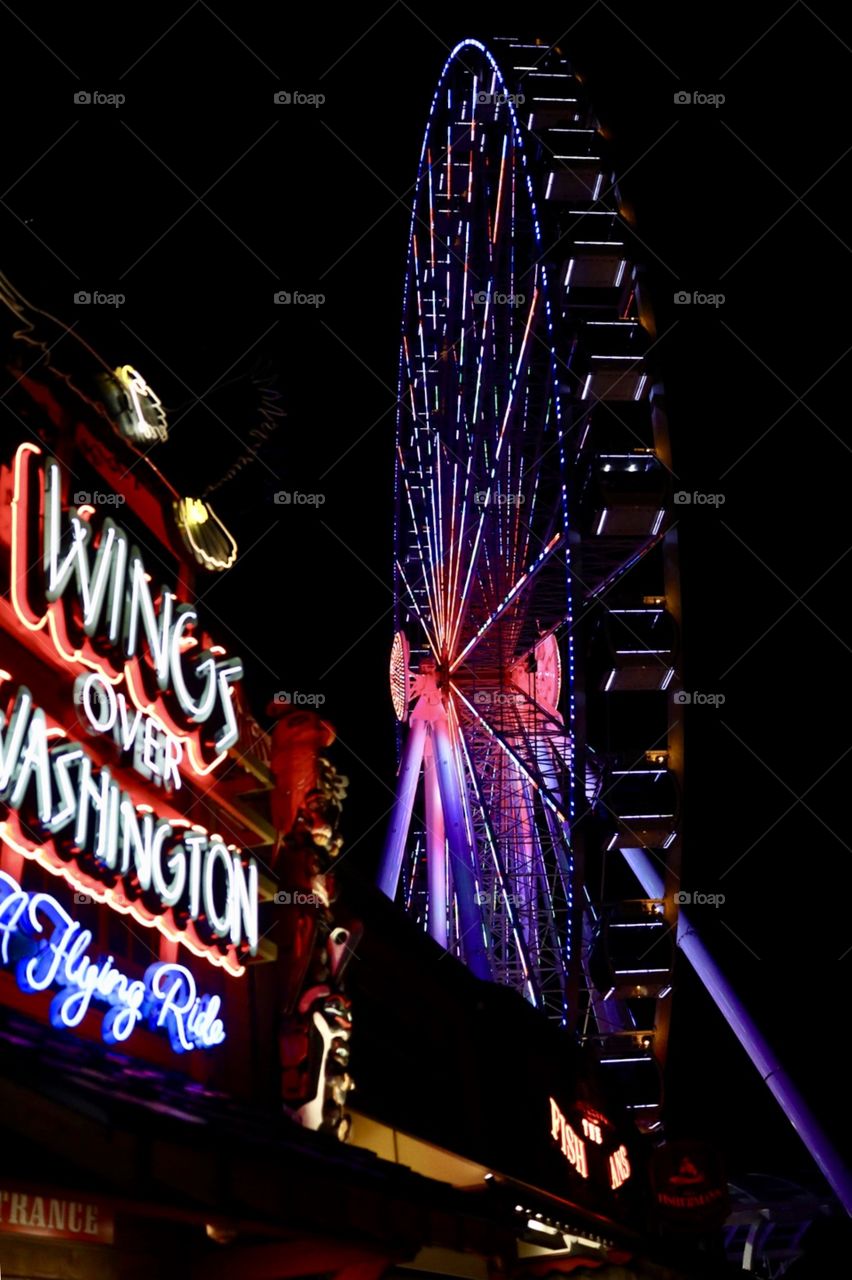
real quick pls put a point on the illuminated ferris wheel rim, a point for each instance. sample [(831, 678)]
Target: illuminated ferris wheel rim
[(481, 531), (454, 658)]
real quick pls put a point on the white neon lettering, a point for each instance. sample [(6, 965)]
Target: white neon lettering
[(169, 892), (244, 903), (230, 732), (93, 796), (171, 757), (151, 746), (98, 700), (12, 740), (197, 710), (122, 615), (35, 762), (220, 921), (194, 844), (196, 876), (128, 729), (156, 629)]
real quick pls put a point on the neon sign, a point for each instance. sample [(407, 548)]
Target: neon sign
[(619, 1168), (93, 594), (51, 950), (571, 1144), (608, 1165), (169, 873), (156, 753), (592, 1130)]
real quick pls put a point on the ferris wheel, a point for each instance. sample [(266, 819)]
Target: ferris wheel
[(534, 666)]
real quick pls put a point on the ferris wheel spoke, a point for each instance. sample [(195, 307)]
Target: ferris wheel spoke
[(538, 893), (412, 599), (529, 768), (512, 598), (503, 896), (465, 595)]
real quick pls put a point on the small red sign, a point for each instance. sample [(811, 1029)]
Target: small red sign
[(30, 1213), (690, 1185)]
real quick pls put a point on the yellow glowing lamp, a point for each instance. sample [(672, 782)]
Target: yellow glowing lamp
[(140, 412), (205, 536)]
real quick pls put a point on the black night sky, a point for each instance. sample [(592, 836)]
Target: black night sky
[(199, 198)]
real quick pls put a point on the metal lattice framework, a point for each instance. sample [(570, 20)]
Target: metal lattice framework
[(525, 397)]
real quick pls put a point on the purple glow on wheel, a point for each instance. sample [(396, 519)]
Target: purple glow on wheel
[(481, 552)]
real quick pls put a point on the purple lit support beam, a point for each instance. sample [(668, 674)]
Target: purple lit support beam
[(436, 852), (406, 790), (750, 1037), (470, 911)]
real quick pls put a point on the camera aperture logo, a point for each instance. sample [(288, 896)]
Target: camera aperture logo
[(97, 498), (486, 99), (94, 298), (697, 98), (485, 297), (295, 298), (486, 498), (695, 298), (285, 698), (95, 98), (696, 898), (295, 498), (297, 898), (683, 498), (696, 698), (296, 98)]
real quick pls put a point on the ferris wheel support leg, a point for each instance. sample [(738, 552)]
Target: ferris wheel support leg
[(436, 853), (406, 790), (751, 1038), (450, 784)]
